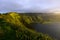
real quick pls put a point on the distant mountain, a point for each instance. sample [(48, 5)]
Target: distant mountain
[(15, 26)]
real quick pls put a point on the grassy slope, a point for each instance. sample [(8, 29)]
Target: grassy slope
[(13, 27)]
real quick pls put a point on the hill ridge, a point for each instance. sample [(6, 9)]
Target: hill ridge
[(13, 27)]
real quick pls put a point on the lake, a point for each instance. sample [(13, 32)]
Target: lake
[(52, 29)]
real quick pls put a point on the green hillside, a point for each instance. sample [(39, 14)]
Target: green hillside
[(14, 26)]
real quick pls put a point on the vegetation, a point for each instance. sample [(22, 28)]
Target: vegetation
[(15, 26)]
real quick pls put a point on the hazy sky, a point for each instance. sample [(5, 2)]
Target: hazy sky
[(29, 5)]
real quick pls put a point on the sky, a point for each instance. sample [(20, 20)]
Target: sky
[(29, 6)]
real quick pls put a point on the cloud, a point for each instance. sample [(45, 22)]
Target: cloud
[(28, 5)]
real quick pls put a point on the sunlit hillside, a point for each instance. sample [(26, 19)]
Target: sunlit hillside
[(14, 26)]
